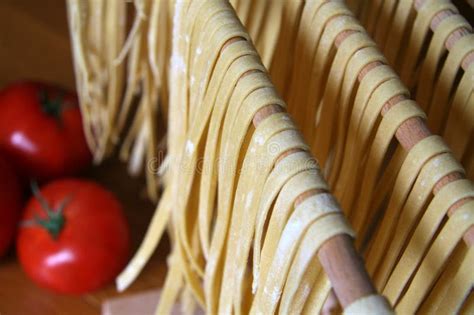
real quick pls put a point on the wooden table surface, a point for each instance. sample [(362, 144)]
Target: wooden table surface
[(34, 44)]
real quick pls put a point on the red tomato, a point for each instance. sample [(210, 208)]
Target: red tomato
[(74, 237), (41, 130), (10, 204)]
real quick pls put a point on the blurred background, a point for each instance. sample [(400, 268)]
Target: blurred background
[(34, 44)]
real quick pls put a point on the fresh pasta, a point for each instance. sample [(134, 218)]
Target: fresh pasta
[(251, 91)]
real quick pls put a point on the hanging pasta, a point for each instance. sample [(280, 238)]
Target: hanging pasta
[(99, 78), (439, 51), (245, 204), (209, 202), (385, 193), (103, 55), (379, 86)]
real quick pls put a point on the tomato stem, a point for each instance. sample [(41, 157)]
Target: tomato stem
[(54, 221), (53, 224), (51, 106)]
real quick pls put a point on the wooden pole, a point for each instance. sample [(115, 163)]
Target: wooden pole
[(350, 287), (338, 257)]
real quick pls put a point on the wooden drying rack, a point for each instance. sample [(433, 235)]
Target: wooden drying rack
[(338, 257)]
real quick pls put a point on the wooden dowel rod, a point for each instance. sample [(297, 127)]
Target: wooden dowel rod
[(454, 36), (414, 130), (466, 62), (345, 269), (338, 257), (349, 279)]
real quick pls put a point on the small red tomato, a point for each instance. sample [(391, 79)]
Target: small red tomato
[(74, 236), (10, 204), (41, 130)]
